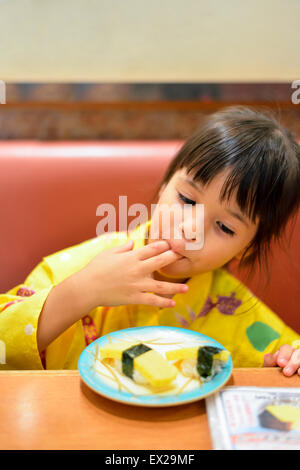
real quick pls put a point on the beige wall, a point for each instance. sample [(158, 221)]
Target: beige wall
[(149, 41)]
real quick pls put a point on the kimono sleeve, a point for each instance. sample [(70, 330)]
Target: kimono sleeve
[(20, 308)]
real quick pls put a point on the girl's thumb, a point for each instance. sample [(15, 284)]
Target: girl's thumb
[(126, 247), (269, 360)]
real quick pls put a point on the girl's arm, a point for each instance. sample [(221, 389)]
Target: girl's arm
[(35, 313), (64, 305)]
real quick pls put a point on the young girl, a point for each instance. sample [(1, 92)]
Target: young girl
[(244, 167)]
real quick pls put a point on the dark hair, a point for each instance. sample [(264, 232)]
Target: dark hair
[(264, 162)]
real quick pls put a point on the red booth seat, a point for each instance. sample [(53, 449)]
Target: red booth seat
[(50, 193)]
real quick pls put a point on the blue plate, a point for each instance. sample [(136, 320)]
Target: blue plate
[(107, 381)]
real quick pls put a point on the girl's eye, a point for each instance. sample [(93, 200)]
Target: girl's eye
[(226, 229), (185, 199), (223, 227)]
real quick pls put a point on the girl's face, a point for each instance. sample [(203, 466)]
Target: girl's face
[(227, 231)]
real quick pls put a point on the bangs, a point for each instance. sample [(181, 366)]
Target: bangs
[(244, 184), (258, 171)]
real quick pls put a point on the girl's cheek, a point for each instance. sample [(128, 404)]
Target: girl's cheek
[(209, 260)]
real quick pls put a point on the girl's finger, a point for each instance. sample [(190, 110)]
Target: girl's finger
[(163, 259), (293, 364), (152, 249), (125, 247), (155, 300), (161, 287), (284, 355), (269, 360)]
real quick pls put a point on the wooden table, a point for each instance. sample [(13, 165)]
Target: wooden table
[(56, 410)]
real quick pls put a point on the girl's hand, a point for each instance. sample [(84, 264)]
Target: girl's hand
[(120, 276), (286, 357)]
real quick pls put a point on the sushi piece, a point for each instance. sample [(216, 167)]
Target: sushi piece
[(199, 361), (280, 417), (139, 362)]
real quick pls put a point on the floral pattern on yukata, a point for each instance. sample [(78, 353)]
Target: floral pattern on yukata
[(25, 292), (11, 303), (21, 292), (225, 305), (90, 330), (261, 335)]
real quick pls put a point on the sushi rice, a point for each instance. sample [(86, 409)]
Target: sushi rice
[(136, 377), (188, 367)]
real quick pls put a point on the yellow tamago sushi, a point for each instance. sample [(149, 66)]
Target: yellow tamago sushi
[(199, 361), (140, 362), (282, 417)]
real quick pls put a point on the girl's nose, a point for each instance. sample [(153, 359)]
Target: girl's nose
[(187, 229), (192, 230)]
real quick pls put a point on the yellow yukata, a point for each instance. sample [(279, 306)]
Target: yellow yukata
[(216, 304)]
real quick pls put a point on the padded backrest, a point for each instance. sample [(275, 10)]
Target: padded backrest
[(50, 193)]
